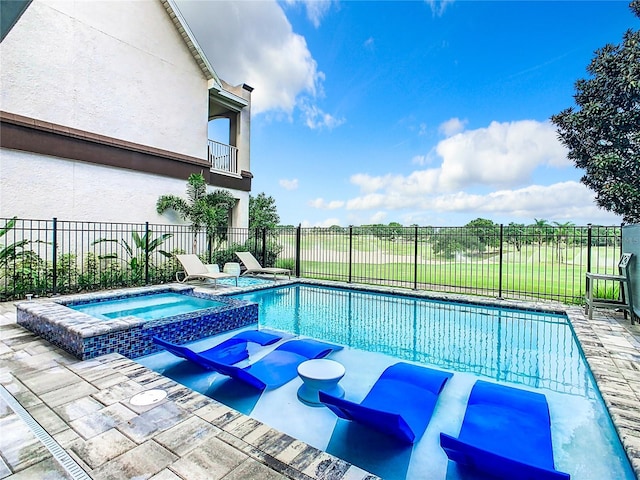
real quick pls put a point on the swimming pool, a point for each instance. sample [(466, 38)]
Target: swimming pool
[(146, 307), (526, 349)]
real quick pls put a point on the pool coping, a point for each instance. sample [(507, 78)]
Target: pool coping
[(611, 347)]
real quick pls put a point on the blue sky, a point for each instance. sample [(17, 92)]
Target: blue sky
[(417, 112)]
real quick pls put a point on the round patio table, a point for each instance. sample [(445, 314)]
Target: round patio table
[(321, 374)]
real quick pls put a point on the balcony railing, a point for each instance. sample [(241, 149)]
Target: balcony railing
[(223, 158)]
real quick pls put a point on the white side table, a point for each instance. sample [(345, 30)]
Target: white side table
[(232, 268), (321, 374)]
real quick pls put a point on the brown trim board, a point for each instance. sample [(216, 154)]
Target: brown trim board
[(30, 135)]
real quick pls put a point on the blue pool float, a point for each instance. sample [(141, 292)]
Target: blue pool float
[(232, 350), (400, 403), (274, 369), (506, 432)]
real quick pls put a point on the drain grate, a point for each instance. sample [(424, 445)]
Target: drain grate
[(61, 456)]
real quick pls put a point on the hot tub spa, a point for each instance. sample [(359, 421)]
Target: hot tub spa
[(124, 321)]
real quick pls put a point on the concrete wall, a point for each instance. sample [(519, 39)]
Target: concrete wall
[(118, 69)]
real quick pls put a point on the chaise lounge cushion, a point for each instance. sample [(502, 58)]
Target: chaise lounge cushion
[(506, 432), (400, 403), (232, 350), (274, 369), (194, 268), (253, 266)]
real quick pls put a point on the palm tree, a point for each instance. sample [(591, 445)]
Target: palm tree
[(10, 252), (203, 210), (562, 232), (541, 230)]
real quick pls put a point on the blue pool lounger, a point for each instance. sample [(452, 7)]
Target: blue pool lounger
[(232, 350), (506, 432), (400, 403), (274, 369)]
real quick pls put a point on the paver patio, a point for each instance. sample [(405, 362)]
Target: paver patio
[(85, 408)]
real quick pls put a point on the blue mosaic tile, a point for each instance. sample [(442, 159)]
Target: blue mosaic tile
[(87, 337)]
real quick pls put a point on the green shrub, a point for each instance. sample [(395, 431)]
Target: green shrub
[(287, 263)]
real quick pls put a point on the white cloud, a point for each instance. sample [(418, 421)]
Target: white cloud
[(369, 43), (378, 217), (419, 182), (560, 201), (254, 43), (316, 9), (367, 183), (438, 6), (419, 160), (289, 184), (320, 203), (315, 118), (452, 126), (328, 222), (503, 154)]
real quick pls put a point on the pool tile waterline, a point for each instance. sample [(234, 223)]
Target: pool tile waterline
[(86, 336), (611, 347)]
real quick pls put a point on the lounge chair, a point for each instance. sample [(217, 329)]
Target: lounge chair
[(232, 350), (253, 266), (194, 268), (274, 369), (400, 403), (506, 432)]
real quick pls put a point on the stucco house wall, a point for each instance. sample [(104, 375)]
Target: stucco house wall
[(120, 71), (75, 190), (117, 69)]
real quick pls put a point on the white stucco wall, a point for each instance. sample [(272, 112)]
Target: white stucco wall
[(118, 69), (74, 190)]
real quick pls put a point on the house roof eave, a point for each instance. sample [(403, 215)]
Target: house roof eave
[(227, 98), (191, 42)]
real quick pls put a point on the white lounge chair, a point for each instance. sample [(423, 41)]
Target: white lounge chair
[(194, 268), (253, 266)]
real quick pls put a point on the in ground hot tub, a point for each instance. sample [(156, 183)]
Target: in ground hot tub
[(125, 321)]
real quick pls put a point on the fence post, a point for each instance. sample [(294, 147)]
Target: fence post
[(54, 256), (621, 249), (146, 253), (264, 248), (350, 250), (415, 259), (298, 244), (255, 242), (501, 261), (589, 240)]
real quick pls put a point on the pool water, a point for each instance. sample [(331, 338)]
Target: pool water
[(244, 281), (524, 349), (146, 307)]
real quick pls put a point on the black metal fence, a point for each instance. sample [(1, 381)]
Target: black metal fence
[(50, 257)]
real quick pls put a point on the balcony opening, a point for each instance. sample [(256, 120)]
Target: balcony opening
[(222, 152)]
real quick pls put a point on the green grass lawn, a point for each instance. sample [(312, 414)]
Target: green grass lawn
[(536, 270)]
